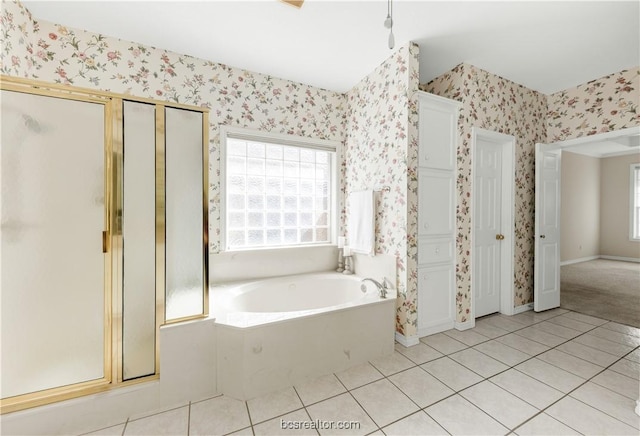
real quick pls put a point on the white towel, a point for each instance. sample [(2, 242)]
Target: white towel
[(362, 215)]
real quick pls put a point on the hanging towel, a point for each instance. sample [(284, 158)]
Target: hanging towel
[(361, 222)]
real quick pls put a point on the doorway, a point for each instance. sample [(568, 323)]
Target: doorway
[(492, 218), (547, 254)]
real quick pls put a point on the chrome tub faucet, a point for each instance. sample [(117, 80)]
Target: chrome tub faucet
[(382, 287)]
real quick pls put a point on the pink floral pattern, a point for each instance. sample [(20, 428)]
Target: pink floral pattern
[(497, 104), (54, 53), (377, 122), (494, 103), (381, 130), (599, 106)]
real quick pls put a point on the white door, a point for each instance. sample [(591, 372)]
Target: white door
[(546, 288), (487, 226)]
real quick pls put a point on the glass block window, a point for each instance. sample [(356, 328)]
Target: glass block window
[(276, 195)]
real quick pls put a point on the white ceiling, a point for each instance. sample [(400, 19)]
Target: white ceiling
[(546, 46)]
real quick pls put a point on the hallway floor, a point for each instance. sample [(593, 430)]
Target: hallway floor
[(551, 373)]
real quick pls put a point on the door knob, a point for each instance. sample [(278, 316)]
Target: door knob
[(542, 236), (499, 237)]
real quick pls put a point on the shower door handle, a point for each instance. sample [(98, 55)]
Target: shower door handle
[(105, 241)]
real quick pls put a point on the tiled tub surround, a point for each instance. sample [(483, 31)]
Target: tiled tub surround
[(555, 372), (324, 323)]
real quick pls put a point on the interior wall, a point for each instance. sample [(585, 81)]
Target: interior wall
[(580, 206), (496, 104), (491, 102), (602, 105), (614, 211), (54, 53), (17, 45), (381, 150)]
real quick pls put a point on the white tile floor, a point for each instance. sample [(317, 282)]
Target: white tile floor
[(549, 373)]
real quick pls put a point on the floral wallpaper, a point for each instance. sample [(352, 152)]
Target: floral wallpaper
[(376, 121), (493, 103), (376, 113), (54, 53), (497, 104), (603, 105), (17, 28), (380, 150)]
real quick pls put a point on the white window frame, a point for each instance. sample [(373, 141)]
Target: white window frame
[(633, 195), (280, 139)]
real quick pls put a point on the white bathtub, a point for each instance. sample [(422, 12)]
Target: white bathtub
[(258, 302), (279, 332)]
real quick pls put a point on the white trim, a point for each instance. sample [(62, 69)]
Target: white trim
[(619, 153), (433, 99), (507, 252), (582, 259), (277, 138), (468, 324), (559, 146), (523, 308), (631, 131), (333, 147), (623, 259), (437, 328), (407, 341), (632, 200)]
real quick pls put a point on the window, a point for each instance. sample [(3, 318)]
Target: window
[(634, 202), (277, 190)]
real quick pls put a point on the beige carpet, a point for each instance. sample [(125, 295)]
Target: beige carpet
[(608, 289)]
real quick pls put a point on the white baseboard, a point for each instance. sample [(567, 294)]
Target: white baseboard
[(624, 259), (407, 341), (437, 328), (523, 308), (468, 324), (602, 256), (582, 259)]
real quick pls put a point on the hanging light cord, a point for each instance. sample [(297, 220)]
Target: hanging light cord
[(388, 23)]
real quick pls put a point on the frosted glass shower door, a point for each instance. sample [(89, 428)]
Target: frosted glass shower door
[(52, 266), (185, 228), (139, 235)]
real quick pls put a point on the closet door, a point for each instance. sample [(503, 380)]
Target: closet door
[(436, 214), (436, 298)]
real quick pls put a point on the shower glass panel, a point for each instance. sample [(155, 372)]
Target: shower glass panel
[(52, 266), (139, 245), (184, 214)]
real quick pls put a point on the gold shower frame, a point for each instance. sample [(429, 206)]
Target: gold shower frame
[(113, 242)]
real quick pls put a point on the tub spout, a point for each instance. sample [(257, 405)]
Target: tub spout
[(382, 287)]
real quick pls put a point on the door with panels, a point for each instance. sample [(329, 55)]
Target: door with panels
[(436, 213)]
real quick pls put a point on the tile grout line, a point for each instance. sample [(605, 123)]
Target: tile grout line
[(304, 406), (532, 357), (575, 389), (246, 405), (189, 419), (415, 364)]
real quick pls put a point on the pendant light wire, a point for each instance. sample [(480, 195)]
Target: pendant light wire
[(388, 23)]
